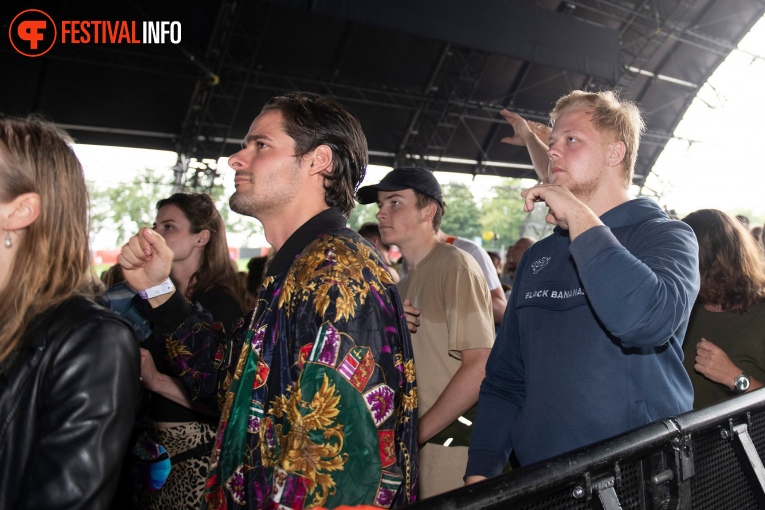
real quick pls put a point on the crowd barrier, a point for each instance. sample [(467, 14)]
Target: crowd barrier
[(704, 459)]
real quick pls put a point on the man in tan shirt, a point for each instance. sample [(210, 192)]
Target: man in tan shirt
[(456, 327)]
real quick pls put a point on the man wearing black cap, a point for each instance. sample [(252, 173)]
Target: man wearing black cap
[(456, 328)]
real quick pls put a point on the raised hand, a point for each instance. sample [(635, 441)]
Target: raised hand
[(523, 129), (533, 136), (146, 259), (565, 210)]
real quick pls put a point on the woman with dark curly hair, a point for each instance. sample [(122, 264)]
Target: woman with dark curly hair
[(725, 342)]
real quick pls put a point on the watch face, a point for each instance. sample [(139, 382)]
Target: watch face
[(742, 382)]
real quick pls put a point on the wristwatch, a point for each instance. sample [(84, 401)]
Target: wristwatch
[(741, 384)]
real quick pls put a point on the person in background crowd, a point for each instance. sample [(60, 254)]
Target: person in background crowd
[(756, 234), (371, 232), (112, 276), (514, 254), (725, 343), (202, 271), (318, 391), (498, 301), (448, 291), (496, 259), (744, 220), (256, 272), (598, 309), (248, 300), (69, 368)]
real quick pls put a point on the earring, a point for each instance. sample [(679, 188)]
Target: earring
[(8, 242)]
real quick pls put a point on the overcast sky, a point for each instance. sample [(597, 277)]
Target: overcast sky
[(722, 168)]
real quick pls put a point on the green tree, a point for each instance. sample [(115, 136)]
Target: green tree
[(362, 214), (202, 177), (462, 217), (502, 214), (124, 208)]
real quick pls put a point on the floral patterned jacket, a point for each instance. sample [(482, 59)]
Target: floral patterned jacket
[(316, 386)]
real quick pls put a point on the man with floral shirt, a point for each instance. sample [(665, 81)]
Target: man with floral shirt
[(316, 385)]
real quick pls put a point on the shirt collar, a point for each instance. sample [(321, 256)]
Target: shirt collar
[(325, 221)]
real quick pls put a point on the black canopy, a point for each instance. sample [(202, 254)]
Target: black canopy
[(426, 77)]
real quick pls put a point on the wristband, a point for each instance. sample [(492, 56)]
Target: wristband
[(165, 287)]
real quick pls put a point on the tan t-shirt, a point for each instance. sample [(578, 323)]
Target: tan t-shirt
[(450, 291)]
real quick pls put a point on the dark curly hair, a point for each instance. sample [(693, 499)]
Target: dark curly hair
[(730, 262), (312, 120)]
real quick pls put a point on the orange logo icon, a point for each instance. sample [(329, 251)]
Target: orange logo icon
[(32, 33)]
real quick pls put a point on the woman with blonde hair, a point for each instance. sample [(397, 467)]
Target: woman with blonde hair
[(725, 342), (69, 369)]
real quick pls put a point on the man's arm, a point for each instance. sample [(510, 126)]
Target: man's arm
[(199, 353), (169, 387), (498, 301), (459, 395), (642, 295), (657, 277), (715, 365), (532, 135), (501, 398)]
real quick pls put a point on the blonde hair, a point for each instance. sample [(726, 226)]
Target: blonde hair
[(52, 257), (611, 115)]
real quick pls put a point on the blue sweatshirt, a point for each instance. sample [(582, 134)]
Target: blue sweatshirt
[(591, 342)]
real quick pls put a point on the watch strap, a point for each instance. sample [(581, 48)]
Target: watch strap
[(165, 287)]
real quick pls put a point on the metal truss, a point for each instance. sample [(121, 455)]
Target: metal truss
[(647, 28)]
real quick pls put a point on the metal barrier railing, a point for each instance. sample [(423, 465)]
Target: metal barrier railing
[(705, 459)]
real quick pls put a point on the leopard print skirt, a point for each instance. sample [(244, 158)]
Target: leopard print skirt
[(184, 488)]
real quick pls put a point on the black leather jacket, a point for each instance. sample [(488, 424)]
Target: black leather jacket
[(68, 399)]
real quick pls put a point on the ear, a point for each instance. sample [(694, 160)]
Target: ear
[(319, 160), (616, 152), (429, 212), (203, 237), (25, 209)]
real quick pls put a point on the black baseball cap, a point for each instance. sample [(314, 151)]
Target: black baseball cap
[(413, 177)]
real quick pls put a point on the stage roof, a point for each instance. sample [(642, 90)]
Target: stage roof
[(426, 78)]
